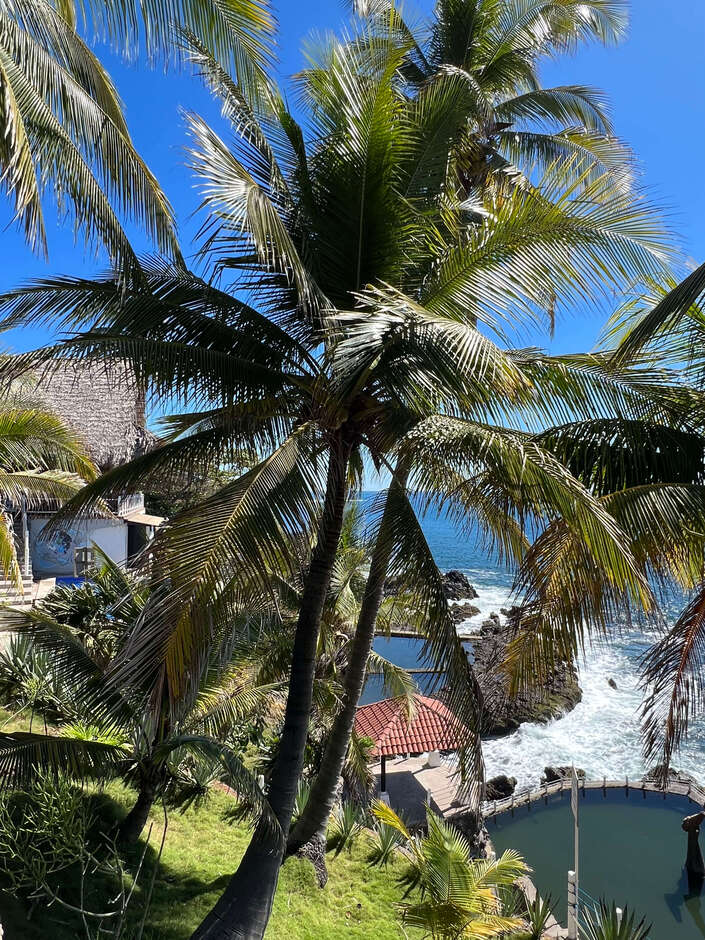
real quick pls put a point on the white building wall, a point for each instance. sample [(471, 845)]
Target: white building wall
[(54, 556)]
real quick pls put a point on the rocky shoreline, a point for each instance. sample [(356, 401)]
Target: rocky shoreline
[(504, 713)]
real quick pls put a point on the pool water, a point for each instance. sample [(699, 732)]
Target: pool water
[(632, 851), (406, 652)]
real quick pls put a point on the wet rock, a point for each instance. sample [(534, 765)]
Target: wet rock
[(611, 683), (561, 772), (460, 612), (499, 788), (503, 712), (492, 624), (457, 586)]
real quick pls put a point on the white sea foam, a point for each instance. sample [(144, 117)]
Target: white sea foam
[(491, 600), (601, 734)]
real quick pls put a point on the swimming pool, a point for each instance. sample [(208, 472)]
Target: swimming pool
[(632, 852)]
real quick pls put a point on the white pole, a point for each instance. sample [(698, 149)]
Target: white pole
[(575, 806), (25, 539), (572, 907)]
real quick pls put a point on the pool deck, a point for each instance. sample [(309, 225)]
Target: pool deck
[(412, 785)]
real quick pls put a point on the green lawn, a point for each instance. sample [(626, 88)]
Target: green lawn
[(201, 851)]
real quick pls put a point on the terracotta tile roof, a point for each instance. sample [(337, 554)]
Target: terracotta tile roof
[(434, 727)]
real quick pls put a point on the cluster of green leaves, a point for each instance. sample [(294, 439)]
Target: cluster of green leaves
[(43, 832)]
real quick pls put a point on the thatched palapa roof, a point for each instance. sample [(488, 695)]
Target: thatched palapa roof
[(102, 404)]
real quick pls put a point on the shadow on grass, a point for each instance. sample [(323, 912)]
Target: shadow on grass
[(174, 892)]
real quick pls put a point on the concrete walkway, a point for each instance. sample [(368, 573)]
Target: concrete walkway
[(410, 783)]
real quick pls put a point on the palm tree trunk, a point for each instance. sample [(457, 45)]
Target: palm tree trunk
[(132, 825), (243, 910), (313, 822)]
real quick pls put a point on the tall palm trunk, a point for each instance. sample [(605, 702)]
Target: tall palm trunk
[(313, 821), (243, 910)]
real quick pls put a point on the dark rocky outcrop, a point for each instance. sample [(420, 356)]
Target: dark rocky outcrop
[(655, 775), (499, 788), (460, 612), (611, 683), (504, 713), (457, 586), (561, 772)]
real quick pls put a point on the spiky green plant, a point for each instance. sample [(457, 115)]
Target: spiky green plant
[(346, 825), (608, 923), (386, 841), (458, 894)]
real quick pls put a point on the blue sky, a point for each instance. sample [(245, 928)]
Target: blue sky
[(655, 81)]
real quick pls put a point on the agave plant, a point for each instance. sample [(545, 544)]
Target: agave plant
[(386, 841), (345, 827), (537, 915), (458, 894), (607, 922)]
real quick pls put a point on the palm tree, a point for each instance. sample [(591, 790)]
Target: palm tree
[(667, 324), (40, 462), (108, 729), (371, 296), (513, 125), (458, 894), (62, 120)]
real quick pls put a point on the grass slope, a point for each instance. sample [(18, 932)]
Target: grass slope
[(201, 851)]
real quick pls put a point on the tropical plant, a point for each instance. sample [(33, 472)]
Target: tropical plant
[(385, 843), (376, 307), (41, 462), (537, 915), (607, 922), (513, 124), (62, 120), (346, 825), (43, 832), (458, 893), (107, 729)]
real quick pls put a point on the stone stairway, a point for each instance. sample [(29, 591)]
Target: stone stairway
[(9, 593)]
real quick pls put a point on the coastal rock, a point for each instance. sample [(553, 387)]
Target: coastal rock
[(492, 624), (504, 713), (500, 787), (611, 683), (654, 774), (562, 772), (457, 586), (460, 612)]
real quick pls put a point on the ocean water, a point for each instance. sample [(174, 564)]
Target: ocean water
[(601, 734)]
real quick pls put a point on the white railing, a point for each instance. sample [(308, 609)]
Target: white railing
[(132, 502)]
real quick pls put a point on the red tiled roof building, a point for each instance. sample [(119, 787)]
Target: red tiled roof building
[(434, 727)]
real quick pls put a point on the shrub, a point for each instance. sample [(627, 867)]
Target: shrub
[(345, 827), (385, 842), (605, 924), (43, 831)]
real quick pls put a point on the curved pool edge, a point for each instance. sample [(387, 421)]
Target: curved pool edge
[(693, 791)]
